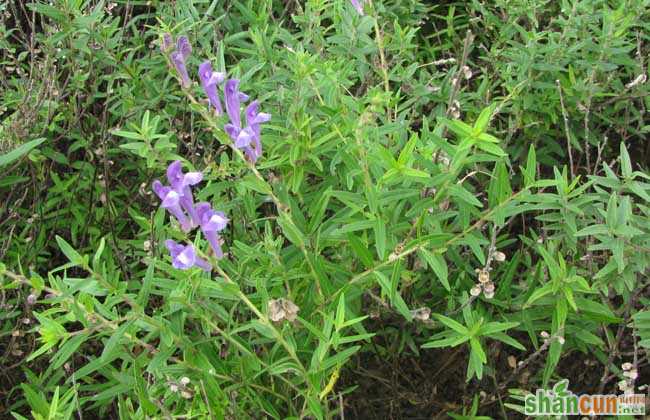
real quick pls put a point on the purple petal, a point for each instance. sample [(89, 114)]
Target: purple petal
[(233, 101), (185, 259), (202, 264), (262, 117), (251, 154), (187, 202), (203, 209), (171, 198), (232, 131), (184, 256), (173, 247), (179, 63), (218, 221), (213, 239), (157, 188), (211, 220), (175, 172), (184, 47), (167, 43), (244, 138), (171, 201), (192, 178), (179, 180), (210, 80), (252, 110)]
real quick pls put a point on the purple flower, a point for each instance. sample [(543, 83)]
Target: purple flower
[(233, 102), (248, 139), (210, 80), (171, 201), (167, 43), (181, 183), (358, 4), (179, 57), (184, 256), (211, 223), (254, 119)]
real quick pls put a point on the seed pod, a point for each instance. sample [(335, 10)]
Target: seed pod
[(483, 276), (421, 314)]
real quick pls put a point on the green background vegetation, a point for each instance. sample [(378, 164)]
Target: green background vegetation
[(408, 149)]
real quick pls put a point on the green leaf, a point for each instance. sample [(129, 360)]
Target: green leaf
[(454, 325), (396, 299), (493, 327), (66, 350), (380, 237), (251, 182), (73, 256), (452, 341), (593, 230), (476, 347), (459, 128), (504, 338), (339, 358), (291, 231), (360, 250), (483, 119), (114, 340), (35, 400), (612, 206), (461, 193), (596, 310), (539, 293), (626, 163), (128, 135), (491, 148), (98, 253), (438, 265), (340, 312), (406, 153), (416, 173), (19, 151), (531, 167), (317, 210), (141, 391)]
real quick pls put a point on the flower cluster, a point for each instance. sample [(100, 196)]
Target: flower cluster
[(246, 138), (178, 200), (631, 374), (485, 285)]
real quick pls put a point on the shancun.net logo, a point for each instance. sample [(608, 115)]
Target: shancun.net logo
[(561, 401)]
